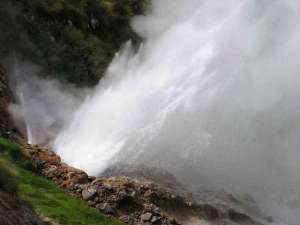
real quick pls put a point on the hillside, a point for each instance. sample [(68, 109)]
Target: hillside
[(22, 182), (71, 40)]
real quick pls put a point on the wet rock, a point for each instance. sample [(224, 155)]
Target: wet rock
[(107, 208), (146, 216), (155, 219), (124, 219), (87, 194), (50, 171), (238, 216), (209, 212)]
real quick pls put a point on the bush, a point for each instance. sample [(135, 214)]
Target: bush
[(56, 34)]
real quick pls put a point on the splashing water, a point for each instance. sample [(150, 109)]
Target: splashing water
[(19, 92), (212, 96), (38, 110)]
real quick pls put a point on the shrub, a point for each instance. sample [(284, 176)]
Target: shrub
[(56, 35)]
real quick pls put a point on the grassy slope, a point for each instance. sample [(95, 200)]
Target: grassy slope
[(47, 199)]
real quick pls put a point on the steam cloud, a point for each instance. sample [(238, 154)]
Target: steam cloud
[(43, 107), (212, 96)]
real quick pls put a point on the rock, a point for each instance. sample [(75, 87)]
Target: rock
[(6, 97), (87, 194), (124, 219), (146, 216), (173, 221), (91, 178), (91, 203), (133, 201), (238, 216), (155, 219), (209, 212), (107, 208), (146, 223)]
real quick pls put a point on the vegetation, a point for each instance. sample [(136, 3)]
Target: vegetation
[(47, 199), (73, 40), (8, 181)]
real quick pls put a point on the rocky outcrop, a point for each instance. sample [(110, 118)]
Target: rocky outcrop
[(130, 200), (143, 173), (16, 212), (6, 126)]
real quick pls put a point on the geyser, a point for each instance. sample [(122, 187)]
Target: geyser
[(43, 107), (212, 95)]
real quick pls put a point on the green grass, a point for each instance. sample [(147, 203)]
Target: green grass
[(10, 149), (47, 199)]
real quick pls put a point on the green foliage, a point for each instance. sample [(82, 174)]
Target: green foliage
[(46, 199), (10, 149), (73, 40)]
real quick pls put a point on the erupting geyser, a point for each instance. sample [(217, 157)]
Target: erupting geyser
[(212, 95)]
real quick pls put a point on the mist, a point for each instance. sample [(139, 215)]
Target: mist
[(211, 96), (42, 106)]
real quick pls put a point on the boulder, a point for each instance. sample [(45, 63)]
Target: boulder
[(88, 193)]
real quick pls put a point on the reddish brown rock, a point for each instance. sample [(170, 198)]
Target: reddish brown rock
[(130, 200)]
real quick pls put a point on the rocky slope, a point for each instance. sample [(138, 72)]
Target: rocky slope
[(130, 200), (143, 173)]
